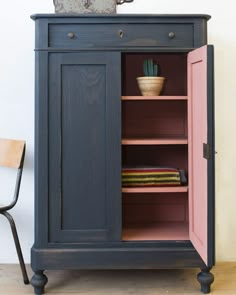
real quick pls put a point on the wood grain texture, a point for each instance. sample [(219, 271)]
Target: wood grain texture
[(152, 35), (195, 22), (11, 152), (84, 147)]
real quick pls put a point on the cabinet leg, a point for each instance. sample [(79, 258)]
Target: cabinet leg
[(205, 278), (38, 281)]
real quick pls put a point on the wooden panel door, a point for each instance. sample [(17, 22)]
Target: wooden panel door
[(201, 151), (84, 147)]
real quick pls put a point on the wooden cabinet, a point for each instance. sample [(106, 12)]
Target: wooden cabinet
[(91, 120)]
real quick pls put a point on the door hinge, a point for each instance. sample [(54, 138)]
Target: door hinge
[(206, 151)]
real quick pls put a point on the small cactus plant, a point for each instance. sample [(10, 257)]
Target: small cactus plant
[(150, 84), (150, 68)]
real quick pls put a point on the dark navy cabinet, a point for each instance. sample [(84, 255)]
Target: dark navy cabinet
[(90, 120)]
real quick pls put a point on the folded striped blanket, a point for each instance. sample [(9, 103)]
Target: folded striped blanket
[(152, 176)]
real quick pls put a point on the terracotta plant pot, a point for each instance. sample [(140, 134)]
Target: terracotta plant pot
[(150, 86)]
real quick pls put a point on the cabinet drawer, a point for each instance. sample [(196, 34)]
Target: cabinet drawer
[(120, 35)]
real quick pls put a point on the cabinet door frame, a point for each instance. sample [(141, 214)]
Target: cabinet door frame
[(111, 230), (205, 245)]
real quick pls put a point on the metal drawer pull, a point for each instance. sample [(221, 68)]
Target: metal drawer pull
[(121, 33), (171, 35), (71, 35)]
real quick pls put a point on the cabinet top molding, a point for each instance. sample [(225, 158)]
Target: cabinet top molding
[(120, 16)]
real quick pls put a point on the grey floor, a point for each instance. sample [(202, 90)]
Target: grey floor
[(117, 282)]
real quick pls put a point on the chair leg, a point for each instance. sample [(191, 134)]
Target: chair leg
[(17, 244)]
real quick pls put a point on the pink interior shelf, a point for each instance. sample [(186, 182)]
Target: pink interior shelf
[(154, 141), (163, 189), (156, 231), (154, 97)]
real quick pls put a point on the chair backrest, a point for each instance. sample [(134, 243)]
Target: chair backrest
[(12, 153)]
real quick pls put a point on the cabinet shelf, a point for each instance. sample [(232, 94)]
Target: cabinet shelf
[(156, 231), (163, 189), (154, 141), (134, 98)]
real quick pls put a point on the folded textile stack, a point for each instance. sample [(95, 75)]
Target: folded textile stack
[(152, 176)]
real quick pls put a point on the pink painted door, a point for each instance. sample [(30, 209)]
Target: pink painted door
[(198, 118)]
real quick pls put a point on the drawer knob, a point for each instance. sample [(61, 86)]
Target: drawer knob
[(71, 35), (171, 35), (120, 33)]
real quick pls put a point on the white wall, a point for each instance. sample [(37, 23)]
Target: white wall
[(17, 107)]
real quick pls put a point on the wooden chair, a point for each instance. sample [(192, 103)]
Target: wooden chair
[(12, 153)]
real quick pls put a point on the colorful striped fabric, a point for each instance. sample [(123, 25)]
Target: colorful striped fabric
[(151, 177)]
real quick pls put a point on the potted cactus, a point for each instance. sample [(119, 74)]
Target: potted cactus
[(150, 84)]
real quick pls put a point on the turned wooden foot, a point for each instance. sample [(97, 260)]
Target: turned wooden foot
[(38, 281), (205, 278)]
